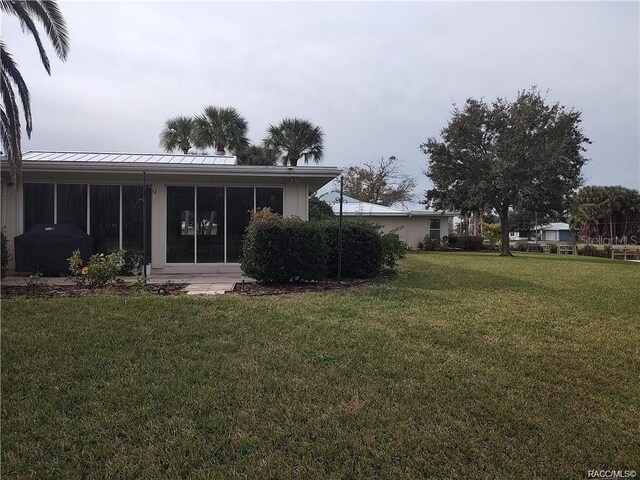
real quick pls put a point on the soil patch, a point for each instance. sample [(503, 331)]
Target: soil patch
[(259, 289), (45, 290)]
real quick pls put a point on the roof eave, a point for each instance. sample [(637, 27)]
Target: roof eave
[(179, 169)]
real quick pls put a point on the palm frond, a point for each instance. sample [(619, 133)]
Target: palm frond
[(10, 68), (11, 134), (294, 139), (48, 13), (18, 9), (221, 128), (177, 134)]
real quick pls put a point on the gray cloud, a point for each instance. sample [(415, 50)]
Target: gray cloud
[(380, 78)]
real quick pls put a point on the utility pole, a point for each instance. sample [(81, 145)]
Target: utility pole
[(144, 224), (340, 229)]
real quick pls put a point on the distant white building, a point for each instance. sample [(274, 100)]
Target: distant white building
[(411, 224), (552, 232), (557, 232)]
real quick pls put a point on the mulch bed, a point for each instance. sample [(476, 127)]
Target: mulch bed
[(260, 289), (44, 290)]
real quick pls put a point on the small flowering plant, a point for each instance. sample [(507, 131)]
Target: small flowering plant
[(101, 270)]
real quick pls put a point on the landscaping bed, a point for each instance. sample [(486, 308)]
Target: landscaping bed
[(44, 290), (261, 289)]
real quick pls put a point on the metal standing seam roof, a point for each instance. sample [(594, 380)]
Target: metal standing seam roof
[(352, 206), (113, 157), (555, 226)]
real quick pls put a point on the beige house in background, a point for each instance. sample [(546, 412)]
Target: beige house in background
[(412, 225), (197, 205)]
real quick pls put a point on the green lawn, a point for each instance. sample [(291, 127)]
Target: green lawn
[(466, 366)]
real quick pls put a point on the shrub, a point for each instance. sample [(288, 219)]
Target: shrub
[(4, 253), (131, 263), (593, 251), (429, 244), (470, 242), (393, 249), (319, 209), (276, 249), (362, 253), (520, 246), (492, 232), (101, 269), (452, 240)]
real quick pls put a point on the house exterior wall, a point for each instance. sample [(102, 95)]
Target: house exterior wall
[(558, 236), (295, 203), (410, 229)]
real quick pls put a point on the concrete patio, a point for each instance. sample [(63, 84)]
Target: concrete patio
[(197, 284)]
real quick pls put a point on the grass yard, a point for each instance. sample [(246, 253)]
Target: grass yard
[(466, 366)]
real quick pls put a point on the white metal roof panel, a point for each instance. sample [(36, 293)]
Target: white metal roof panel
[(111, 157)]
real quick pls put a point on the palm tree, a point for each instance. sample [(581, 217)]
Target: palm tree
[(221, 128), (257, 155), (28, 13), (294, 139), (177, 134)]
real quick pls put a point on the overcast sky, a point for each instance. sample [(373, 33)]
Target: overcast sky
[(379, 78)]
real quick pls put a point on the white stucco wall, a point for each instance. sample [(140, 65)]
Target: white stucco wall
[(411, 230)]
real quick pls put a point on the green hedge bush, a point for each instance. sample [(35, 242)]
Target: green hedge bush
[(470, 242), (4, 253), (393, 249), (593, 251), (520, 246), (281, 250), (429, 244), (362, 249)]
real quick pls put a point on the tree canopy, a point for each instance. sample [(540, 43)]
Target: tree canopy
[(177, 134), (296, 139), (525, 154), (256, 155), (381, 182), (222, 128), (319, 209), (611, 212)]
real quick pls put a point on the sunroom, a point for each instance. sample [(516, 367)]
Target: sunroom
[(195, 207)]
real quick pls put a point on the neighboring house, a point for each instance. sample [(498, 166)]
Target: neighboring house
[(412, 225), (557, 232), (198, 205), (521, 235), (552, 232)]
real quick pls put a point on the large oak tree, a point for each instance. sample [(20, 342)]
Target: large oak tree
[(525, 154)]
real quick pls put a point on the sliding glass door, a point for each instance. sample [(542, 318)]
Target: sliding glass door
[(210, 224), (240, 206), (180, 224), (206, 224)]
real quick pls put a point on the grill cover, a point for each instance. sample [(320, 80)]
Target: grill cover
[(47, 248)]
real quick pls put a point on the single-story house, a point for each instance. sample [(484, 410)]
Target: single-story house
[(412, 225), (197, 205), (557, 232), (552, 232)]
